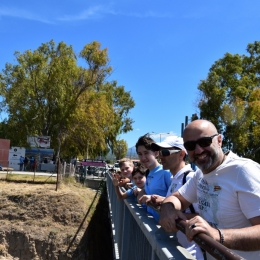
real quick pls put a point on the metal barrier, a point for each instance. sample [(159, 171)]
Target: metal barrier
[(136, 234)]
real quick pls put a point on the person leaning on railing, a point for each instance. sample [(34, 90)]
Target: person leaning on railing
[(227, 189), (139, 178), (158, 180), (172, 154), (126, 167)]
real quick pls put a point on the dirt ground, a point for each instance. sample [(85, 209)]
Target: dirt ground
[(37, 222)]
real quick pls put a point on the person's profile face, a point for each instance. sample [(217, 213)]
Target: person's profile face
[(172, 161)]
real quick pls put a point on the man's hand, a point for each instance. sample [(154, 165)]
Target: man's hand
[(198, 225), (157, 200), (168, 216)]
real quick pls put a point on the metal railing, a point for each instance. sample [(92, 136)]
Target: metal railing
[(137, 236)]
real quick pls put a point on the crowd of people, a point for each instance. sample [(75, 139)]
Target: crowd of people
[(221, 198), (27, 163), (30, 163)]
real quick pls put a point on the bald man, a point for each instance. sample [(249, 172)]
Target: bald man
[(227, 190)]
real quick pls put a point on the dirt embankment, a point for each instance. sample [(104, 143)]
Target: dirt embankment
[(37, 222)]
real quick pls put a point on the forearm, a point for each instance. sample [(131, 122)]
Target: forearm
[(175, 201), (244, 239), (120, 195)]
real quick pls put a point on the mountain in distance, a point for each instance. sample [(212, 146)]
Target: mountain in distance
[(131, 153)]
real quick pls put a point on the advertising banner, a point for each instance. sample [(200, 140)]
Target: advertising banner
[(93, 163), (39, 141)]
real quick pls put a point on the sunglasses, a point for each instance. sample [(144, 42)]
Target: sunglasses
[(166, 152), (202, 142)]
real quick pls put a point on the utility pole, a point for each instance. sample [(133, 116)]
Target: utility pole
[(182, 125)]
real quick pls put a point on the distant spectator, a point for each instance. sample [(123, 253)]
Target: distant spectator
[(31, 163), (45, 160), (21, 163), (34, 165), (25, 162)]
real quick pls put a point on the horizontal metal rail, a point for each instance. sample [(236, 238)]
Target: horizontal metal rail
[(214, 248)]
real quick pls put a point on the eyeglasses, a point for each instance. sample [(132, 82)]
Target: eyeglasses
[(202, 142), (166, 152)]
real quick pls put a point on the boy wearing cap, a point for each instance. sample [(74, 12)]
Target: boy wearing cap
[(173, 154), (158, 180)]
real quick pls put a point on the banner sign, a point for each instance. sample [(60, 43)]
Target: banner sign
[(39, 141), (93, 163)]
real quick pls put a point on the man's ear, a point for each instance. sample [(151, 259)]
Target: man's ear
[(182, 154), (220, 140)]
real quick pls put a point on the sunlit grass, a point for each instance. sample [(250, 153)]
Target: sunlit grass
[(30, 178)]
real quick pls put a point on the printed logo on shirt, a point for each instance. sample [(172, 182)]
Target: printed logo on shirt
[(208, 202)]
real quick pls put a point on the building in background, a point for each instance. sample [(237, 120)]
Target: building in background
[(4, 152)]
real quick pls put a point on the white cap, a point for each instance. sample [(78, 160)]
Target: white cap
[(170, 142)]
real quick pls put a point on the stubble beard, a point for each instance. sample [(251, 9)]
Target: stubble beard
[(208, 166)]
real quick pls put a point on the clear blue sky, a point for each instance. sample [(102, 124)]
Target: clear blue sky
[(159, 50)]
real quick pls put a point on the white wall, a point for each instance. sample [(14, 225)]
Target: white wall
[(14, 157)]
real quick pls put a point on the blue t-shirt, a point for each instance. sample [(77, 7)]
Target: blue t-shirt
[(157, 182)]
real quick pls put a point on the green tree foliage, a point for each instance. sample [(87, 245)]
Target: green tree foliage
[(230, 98), (46, 93), (120, 149)]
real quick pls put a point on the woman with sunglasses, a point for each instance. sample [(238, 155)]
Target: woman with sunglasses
[(226, 188)]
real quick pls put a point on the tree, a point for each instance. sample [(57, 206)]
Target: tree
[(120, 149), (230, 98), (47, 93)]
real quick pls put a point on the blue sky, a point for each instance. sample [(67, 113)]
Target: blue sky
[(159, 50)]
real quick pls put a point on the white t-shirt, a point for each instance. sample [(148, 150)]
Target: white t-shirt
[(176, 183), (228, 196)]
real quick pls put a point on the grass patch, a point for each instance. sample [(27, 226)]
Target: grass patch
[(30, 178)]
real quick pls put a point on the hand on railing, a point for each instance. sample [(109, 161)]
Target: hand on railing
[(214, 248)]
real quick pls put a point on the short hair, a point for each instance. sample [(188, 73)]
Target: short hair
[(185, 156), (124, 160), (139, 169), (146, 141)]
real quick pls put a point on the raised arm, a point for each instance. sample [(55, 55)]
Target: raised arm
[(119, 193)]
